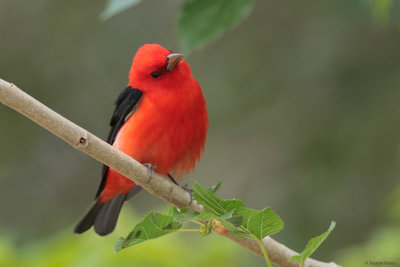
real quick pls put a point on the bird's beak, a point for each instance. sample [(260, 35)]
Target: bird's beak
[(173, 60)]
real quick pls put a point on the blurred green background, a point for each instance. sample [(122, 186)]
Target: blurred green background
[(303, 101)]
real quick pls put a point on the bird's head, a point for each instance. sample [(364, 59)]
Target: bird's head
[(154, 66)]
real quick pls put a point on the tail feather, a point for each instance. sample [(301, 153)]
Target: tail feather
[(88, 220), (104, 215), (107, 216)]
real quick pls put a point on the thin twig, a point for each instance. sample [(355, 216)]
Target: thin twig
[(160, 186)]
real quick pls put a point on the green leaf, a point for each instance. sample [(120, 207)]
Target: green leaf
[(119, 245), (114, 7), (261, 223), (212, 203), (201, 21), (238, 219), (235, 221), (220, 209), (182, 215), (206, 216), (227, 216), (215, 188), (153, 225), (231, 218), (312, 245), (237, 230)]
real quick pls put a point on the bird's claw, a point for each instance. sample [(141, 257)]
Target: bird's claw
[(150, 168)]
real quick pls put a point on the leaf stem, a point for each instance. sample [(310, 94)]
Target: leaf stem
[(200, 223), (264, 252), (188, 230)]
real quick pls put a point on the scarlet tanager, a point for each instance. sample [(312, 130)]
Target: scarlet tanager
[(159, 119)]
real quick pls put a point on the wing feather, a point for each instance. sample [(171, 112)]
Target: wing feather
[(125, 106)]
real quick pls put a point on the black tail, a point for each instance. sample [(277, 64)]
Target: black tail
[(104, 215)]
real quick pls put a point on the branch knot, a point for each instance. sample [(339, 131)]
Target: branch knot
[(83, 141)]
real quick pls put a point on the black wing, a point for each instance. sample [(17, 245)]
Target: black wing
[(125, 107)]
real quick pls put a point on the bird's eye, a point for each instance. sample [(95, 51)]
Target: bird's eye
[(155, 74)]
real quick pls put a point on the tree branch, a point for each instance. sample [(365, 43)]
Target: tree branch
[(160, 186)]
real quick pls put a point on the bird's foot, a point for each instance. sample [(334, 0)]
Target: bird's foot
[(150, 168)]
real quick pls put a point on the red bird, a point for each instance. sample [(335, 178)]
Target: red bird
[(159, 119)]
